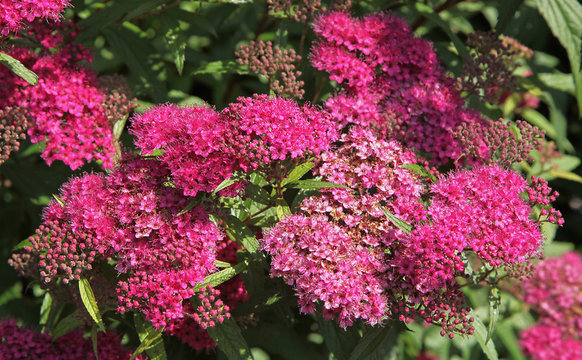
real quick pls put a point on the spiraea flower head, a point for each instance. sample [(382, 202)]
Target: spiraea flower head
[(391, 80), (14, 14), (13, 124)]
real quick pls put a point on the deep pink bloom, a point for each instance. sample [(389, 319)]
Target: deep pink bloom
[(15, 13), (549, 342), (391, 80)]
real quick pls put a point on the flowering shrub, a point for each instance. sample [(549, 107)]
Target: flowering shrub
[(298, 182)]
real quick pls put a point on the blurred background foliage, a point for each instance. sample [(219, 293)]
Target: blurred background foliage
[(184, 52)]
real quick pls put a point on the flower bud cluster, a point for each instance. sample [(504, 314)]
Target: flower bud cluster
[(15, 13), (391, 81), (496, 142), (13, 124), (488, 73), (276, 64), (212, 310), (19, 342), (555, 293), (540, 194), (304, 10)]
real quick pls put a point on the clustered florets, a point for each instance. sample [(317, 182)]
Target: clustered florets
[(21, 343), (392, 81), (15, 13), (69, 108), (276, 64), (203, 147), (554, 293)]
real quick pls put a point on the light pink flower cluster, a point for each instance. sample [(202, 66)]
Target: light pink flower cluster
[(543, 342), (203, 147), (555, 293), (19, 342), (391, 81), (70, 109), (15, 13)]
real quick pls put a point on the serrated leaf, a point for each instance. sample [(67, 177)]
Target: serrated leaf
[(17, 68), (221, 276), (430, 14), (222, 264), (297, 173), (564, 18), (59, 200), (480, 335), (315, 184), (282, 209), (221, 67), (419, 170), (239, 232), (151, 339), (558, 81), (88, 299), (566, 163), (66, 325), (399, 223), (507, 10), (494, 303), (230, 341)]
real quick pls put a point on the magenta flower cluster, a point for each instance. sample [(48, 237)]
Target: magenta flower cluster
[(27, 344), (70, 109), (14, 14), (391, 81), (342, 251), (555, 293), (203, 147)]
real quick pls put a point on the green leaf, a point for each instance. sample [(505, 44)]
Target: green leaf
[(151, 339), (118, 127), (315, 184), (227, 182), (429, 13), (507, 10), (66, 325), (221, 276), (17, 68), (188, 207), (557, 248), (567, 175), (564, 17), (377, 343), (536, 118), (88, 298), (419, 170), (229, 340), (21, 245), (45, 310), (94, 330), (340, 342), (399, 223), (558, 81), (222, 264), (221, 67), (239, 232), (480, 335), (59, 200), (297, 173), (282, 209), (494, 303), (176, 40)]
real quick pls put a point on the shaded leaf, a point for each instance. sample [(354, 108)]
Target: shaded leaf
[(221, 67), (297, 173), (494, 303), (66, 325), (377, 343), (480, 335), (229, 340), (399, 223), (176, 40), (282, 209), (151, 339), (239, 232)]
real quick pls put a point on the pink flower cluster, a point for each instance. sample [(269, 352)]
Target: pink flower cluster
[(19, 342), (13, 124), (341, 250), (203, 147), (14, 13), (132, 216), (70, 109), (555, 294), (392, 81)]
